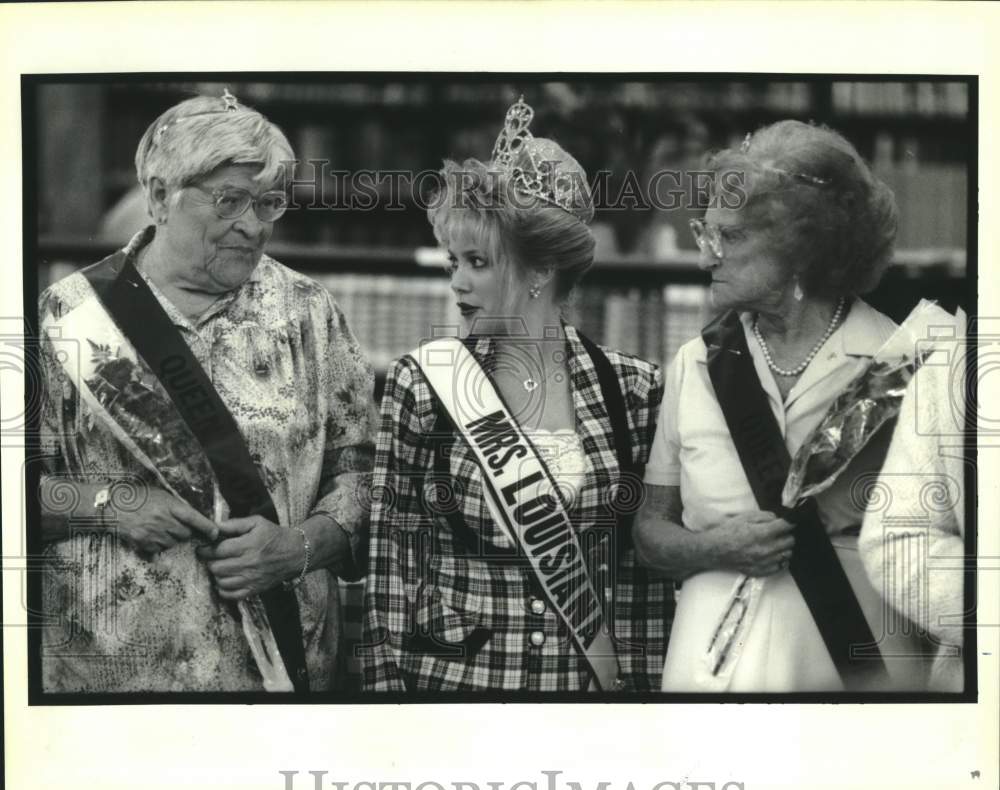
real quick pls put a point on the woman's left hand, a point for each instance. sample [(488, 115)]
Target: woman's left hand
[(252, 555)]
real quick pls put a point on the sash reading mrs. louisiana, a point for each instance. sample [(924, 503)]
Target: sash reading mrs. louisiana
[(523, 500)]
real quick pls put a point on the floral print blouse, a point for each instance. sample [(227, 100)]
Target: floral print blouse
[(283, 359)]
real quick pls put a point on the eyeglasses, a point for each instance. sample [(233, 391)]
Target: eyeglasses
[(232, 202), (711, 236)]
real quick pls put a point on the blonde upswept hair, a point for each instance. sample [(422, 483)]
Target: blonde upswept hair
[(521, 233)]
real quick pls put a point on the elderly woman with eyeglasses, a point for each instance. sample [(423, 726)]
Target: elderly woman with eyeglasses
[(204, 464), (797, 228)]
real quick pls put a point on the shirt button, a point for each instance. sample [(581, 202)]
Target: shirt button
[(537, 606), (537, 638)]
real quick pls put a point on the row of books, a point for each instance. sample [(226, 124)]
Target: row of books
[(565, 98), (942, 99), (391, 315), (655, 324), (328, 91), (560, 97), (778, 97), (933, 204), (931, 194), (429, 127)]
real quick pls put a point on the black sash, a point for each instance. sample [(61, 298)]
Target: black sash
[(628, 471), (141, 318), (765, 459)]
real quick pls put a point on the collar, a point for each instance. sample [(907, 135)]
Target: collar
[(484, 346), (861, 334), (141, 240), (865, 330), (138, 241), (592, 422)]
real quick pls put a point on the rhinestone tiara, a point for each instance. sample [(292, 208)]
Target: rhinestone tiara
[(229, 104), (539, 167), (815, 181)]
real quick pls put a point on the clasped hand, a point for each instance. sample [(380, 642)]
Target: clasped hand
[(244, 555), (756, 543), (253, 555), (162, 522)]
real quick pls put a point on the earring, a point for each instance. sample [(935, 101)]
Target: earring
[(797, 293), (534, 291)]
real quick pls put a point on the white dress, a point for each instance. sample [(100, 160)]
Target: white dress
[(781, 649)]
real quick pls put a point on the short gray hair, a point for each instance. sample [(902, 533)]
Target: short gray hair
[(199, 135)]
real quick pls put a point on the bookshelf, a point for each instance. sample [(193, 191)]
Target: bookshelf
[(412, 122), (645, 295), (393, 297)]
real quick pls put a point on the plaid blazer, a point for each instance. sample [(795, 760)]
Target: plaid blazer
[(450, 604)]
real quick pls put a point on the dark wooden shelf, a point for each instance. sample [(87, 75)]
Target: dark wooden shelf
[(428, 261)]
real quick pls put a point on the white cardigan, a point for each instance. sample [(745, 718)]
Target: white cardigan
[(911, 542)]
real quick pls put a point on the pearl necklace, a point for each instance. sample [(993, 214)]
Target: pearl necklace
[(809, 357)]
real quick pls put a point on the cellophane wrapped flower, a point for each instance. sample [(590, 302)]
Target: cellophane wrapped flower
[(127, 398), (869, 402), (137, 403)]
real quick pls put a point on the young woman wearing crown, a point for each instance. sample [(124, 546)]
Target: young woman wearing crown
[(508, 461)]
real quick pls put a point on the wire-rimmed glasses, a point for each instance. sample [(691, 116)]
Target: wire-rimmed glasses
[(710, 237), (232, 202)]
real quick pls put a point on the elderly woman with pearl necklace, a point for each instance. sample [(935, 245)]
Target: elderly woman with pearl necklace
[(797, 228)]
